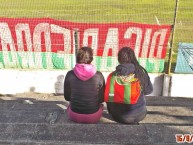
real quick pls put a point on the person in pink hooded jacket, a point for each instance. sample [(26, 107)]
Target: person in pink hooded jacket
[(84, 88)]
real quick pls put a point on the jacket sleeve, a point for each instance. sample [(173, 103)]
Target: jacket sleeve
[(101, 88), (148, 86), (67, 88)]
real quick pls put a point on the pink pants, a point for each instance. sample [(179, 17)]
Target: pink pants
[(85, 118)]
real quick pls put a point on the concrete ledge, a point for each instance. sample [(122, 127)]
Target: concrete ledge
[(51, 81), (20, 81), (181, 85), (91, 134)]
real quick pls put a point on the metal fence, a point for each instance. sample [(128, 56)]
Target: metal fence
[(178, 13)]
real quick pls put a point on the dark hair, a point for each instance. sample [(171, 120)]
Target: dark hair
[(84, 55), (127, 55)]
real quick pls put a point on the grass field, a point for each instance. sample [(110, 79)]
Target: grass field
[(91, 11), (101, 11)]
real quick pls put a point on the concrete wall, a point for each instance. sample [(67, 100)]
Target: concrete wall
[(51, 81), (182, 85)]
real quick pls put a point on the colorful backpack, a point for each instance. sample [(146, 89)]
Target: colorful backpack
[(122, 89)]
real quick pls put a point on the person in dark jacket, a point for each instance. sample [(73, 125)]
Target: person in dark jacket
[(131, 113), (84, 89)]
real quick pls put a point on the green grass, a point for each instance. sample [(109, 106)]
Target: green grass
[(89, 10), (104, 11)]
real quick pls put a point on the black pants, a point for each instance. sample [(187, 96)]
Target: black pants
[(130, 117)]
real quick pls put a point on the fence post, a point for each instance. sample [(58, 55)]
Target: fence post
[(76, 44), (76, 40), (168, 78), (172, 38)]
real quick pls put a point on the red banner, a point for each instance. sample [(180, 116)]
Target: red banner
[(49, 35)]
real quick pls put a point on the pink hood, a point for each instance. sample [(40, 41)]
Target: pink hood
[(84, 71)]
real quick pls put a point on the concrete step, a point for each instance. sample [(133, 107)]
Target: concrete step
[(45, 143), (91, 133), (35, 111), (23, 122), (153, 117), (169, 101)]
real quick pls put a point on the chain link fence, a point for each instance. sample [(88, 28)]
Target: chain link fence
[(178, 13)]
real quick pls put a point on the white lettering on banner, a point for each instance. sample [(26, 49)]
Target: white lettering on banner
[(19, 28), (138, 32), (94, 34), (162, 34), (146, 42), (67, 43), (6, 39), (145, 46), (111, 43), (27, 57), (37, 44), (29, 53)]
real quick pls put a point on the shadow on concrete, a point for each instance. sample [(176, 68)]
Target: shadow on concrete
[(169, 101), (59, 85), (23, 121)]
